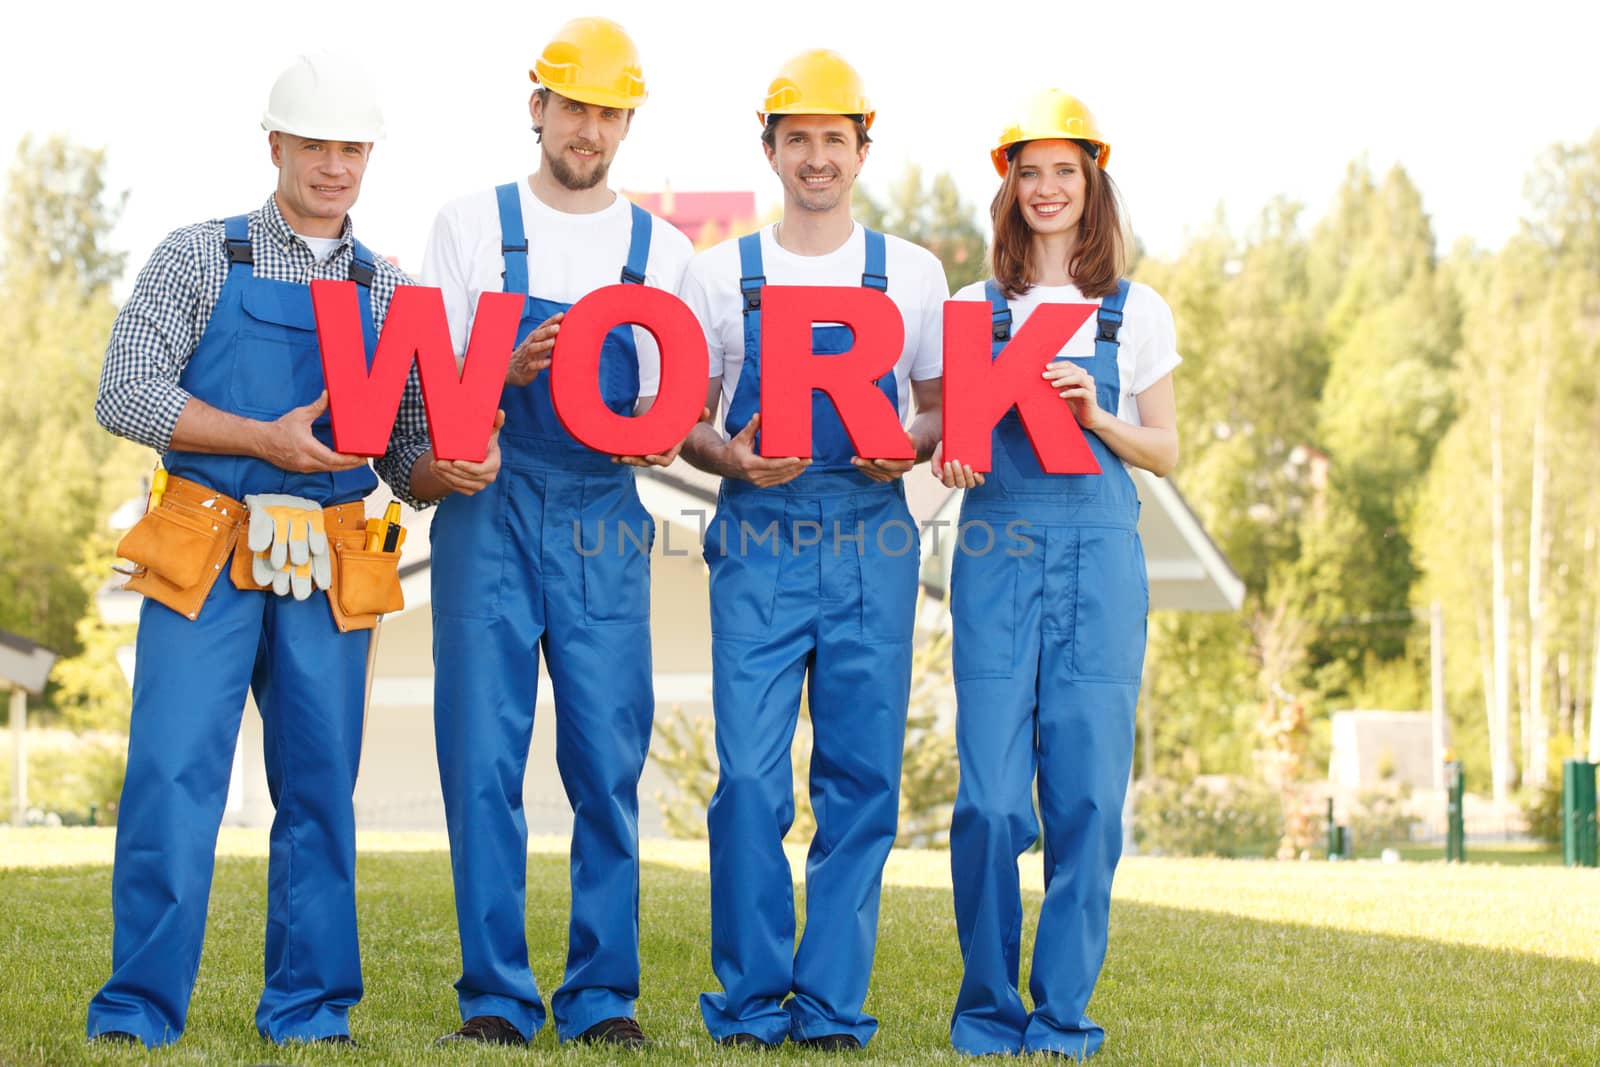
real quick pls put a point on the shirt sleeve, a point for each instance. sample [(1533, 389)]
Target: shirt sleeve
[(1157, 354), (669, 253), (444, 268), (692, 291), (409, 438), (929, 359), (151, 342)]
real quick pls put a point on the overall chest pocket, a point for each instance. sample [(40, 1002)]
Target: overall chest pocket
[(276, 362)]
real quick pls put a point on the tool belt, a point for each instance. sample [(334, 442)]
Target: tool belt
[(181, 544)]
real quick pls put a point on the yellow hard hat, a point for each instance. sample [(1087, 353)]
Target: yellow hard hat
[(1052, 115), (818, 82), (592, 60)]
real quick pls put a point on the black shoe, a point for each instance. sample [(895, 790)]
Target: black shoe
[(343, 1040), (748, 1041), (830, 1043), (621, 1031), (485, 1030), (115, 1037)]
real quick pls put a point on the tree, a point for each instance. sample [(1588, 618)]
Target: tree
[(64, 474), (59, 214), (1509, 525), (1391, 325), (1248, 390), (935, 218)]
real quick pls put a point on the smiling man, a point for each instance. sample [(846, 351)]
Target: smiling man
[(213, 362), (553, 558), (829, 602)]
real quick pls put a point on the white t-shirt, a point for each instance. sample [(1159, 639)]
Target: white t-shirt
[(569, 256), (1147, 344), (916, 284), (321, 247)]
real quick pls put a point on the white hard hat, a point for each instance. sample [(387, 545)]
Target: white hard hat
[(324, 97)]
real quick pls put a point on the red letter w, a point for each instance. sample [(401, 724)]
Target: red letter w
[(363, 402)]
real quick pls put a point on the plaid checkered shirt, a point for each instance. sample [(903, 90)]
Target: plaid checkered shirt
[(160, 326)]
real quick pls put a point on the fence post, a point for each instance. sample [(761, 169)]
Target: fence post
[(1578, 830), (1455, 844)]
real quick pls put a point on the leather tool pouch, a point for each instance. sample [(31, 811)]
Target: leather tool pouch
[(180, 545), (365, 584)]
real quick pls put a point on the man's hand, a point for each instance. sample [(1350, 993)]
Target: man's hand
[(953, 475), (660, 459), (885, 470), (533, 354), (459, 476), (744, 462), (287, 442)]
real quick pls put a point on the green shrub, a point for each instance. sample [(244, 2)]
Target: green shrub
[(71, 780), (1380, 817), (1220, 816), (1542, 808)]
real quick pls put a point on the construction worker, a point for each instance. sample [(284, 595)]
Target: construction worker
[(834, 610), (550, 558), (213, 361), (1049, 635)]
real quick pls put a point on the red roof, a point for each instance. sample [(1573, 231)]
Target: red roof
[(725, 213)]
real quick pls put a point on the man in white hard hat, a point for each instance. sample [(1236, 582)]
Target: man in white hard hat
[(213, 362)]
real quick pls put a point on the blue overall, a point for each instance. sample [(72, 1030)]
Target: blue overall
[(555, 552), (1049, 645), (258, 357), (813, 581)]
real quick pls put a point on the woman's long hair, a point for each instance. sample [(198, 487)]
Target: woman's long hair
[(1101, 256)]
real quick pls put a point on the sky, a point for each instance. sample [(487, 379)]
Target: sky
[(1207, 105)]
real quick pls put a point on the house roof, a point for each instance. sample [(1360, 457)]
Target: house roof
[(23, 663), (690, 211)]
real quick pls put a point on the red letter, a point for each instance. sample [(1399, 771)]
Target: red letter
[(790, 371), (979, 389), (460, 406), (575, 370)]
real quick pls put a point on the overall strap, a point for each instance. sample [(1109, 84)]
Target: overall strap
[(1109, 321), (999, 316), (363, 264), (638, 248), (750, 277), (875, 276), (363, 267), (236, 234), (513, 239)]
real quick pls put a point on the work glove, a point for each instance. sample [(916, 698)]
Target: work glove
[(289, 544)]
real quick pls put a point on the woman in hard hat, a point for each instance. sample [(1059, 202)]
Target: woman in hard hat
[(1049, 637)]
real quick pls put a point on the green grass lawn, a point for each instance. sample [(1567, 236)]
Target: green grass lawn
[(1211, 962), (1506, 852)]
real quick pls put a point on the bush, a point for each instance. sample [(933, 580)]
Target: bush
[(1380, 817), (70, 780), (1542, 808), (1220, 816)]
